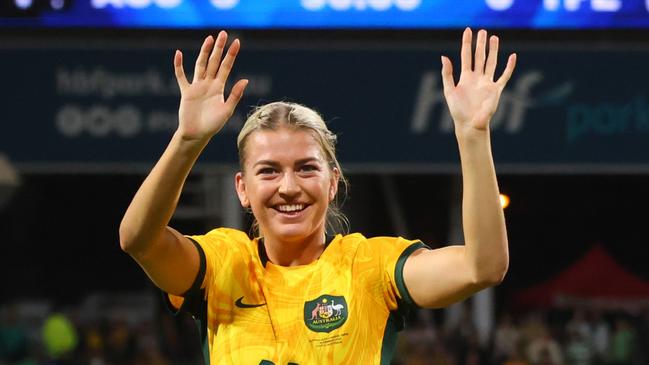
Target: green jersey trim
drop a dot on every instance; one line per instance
(398, 271)
(194, 303)
(389, 344)
(396, 320)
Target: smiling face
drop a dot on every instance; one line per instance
(287, 183)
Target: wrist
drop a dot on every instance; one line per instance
(187, 143)
(471, 135)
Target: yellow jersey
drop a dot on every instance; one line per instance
(343, 308)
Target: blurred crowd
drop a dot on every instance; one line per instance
(135, 330)
(569, 336)
(104, 330)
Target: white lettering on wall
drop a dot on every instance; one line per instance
(509, 117)
(98, 121)
(91, 102)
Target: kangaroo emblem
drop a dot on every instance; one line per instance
(314, 312)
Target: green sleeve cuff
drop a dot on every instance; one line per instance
(194, 297)
(398, 271)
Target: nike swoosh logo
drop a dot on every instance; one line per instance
(239, 303)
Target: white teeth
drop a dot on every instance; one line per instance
(290, 207)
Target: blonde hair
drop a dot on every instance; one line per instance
(270, 117)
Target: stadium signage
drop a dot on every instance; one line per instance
(105, 108)
(377, 5)
(331, 14)
(567, 5)
(135, 4)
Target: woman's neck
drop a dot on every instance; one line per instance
(294, 253)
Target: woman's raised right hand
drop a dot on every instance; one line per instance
(204, 110)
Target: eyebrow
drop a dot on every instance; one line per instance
(275, 163)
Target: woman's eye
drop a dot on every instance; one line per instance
(308, 168)
(266, 171)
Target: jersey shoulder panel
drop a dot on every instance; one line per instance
(390, 254)
(221, 242)
(224, 248)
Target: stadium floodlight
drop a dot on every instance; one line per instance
(504, 200)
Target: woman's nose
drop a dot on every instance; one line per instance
(288, 185)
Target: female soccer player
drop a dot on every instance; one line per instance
(292, 294)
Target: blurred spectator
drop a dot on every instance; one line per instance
(440, 354)
(178, 338)
(473, 354)
(419, 354)
(94, 344)
(517, 356)
(506, 339)
(579, 324)
(60, 339)
(14, 343)
(643, 338)
(533, 327)
(415, 343)
(148, 348)
(544, 349)
(578, 348)
(600, 337)
(545, 357)
(459, 338)
(622, 342)
(120, 344)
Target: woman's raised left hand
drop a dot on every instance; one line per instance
(473, 101)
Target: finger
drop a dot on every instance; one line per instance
(201, 60)
(480, 49)
(492, 58)
(235, 94)
(217, 52)
(507, 74)
(465, 53)
(228, 62)
(447, 75)
(179, 70)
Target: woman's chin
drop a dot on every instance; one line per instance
(291, 232)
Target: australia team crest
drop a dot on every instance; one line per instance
(325, 313)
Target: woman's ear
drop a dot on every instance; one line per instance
(333, 188)
(241, 190)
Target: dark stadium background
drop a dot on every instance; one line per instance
(59, 231)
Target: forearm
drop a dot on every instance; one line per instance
(482, 215)
(155, 201)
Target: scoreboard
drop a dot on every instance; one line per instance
(326, 14)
